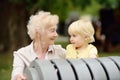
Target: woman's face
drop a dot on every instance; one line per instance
(49, 35)
(77, 40)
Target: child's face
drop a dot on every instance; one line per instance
(77, 40)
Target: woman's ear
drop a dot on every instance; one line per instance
(37, 33)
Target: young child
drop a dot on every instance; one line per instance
(81, 34)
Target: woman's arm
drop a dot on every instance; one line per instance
(18, 67)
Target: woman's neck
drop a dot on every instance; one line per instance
(40, 49)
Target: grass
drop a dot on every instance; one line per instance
(6, 61)
(5, 66)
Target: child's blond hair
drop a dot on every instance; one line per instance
(84, 28)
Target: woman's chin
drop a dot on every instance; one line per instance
(51, 43)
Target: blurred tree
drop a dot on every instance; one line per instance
(12, 22)
(109, 3)
(14, 16)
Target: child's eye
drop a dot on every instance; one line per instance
(73, 35)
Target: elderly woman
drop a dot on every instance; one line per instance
(42, 31)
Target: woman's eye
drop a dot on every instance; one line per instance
(52, 30)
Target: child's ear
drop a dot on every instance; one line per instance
(86, 37)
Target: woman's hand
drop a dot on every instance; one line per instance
(20, 77)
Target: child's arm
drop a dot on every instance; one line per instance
(93, 52)
(70, 52)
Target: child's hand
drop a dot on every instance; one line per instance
(93, 56)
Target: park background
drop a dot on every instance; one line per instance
(14, 15)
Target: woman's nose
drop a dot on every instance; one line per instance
(56, 34)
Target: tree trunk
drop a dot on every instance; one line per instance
(13, 26)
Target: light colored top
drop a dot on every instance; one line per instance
(24, 56)
(71, 52)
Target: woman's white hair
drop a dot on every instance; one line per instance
(40, 20)
(84, 28)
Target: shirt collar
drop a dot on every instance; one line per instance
(50, 51)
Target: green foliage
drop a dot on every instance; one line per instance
(63, 44)
(5, 66)
(81, 3)
(60, 7)
(108, 3)
(63, 7)
(92, 9)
